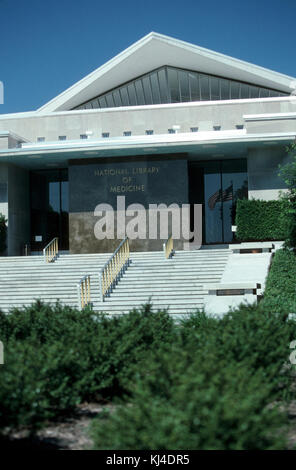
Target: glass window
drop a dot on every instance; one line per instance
(173, 85)
(149, 132)
(184, 86)
(62, 137)
(117, 98)
(105, 134)
(139, 92)
(254, 92)
(264, 93)
(194, 87)
(40, 139)
(204, 87)
(163, 87)
(225, 89)
(245, 91)
(110, 101)
(127, 133)
(95, 104)
(155, 88)
(132, 94)
(171, 131)
(103, 103)
(215, 88)
(124, 96)
(234, 90)
(147, 90)
(194, 129)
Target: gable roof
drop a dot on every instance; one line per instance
(156, 50)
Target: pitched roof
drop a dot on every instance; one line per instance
(156, 50)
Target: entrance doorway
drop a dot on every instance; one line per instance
(49, 208)
(217, 185)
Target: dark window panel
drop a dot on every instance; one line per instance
(245, 91)
(117, 98)
(110, 101)
(132, 94)
(102, 102)
(155, 88)
(139, 92)
(147, 90)
(124, 96)
(234, 90)
(225, 89)
(264, 93)
(254, 92)
(204, 87)
(184, 86)
(163, 86)
(194, 87)
(215, 88)
(174, 85)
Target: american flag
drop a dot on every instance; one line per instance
(221, 196)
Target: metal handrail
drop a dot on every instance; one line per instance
(51, 250)
(114, 269)
(168, 248)
(83, 292)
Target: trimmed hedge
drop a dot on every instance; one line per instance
(280, 290)
(258, 220)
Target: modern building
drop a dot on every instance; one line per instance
(164, 121)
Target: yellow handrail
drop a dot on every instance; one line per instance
(51, 250)
(168, 247)
(114, 269)
(83, 291)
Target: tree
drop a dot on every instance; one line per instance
(288, 174)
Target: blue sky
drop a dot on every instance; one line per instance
(46, 46)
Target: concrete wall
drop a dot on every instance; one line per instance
(159, 118)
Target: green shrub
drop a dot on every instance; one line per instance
(261, 220)
(280, 290)
(204, 403)
(70, 356)
(210, 389)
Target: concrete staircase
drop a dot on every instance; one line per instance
(176, 284)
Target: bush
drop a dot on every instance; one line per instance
(208, 404)
(56, 357)
(211, 389)
(261, 220)
(280, 291)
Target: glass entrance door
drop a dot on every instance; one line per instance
(223, 183)
(49, 208)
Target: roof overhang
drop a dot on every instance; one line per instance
(212, 144)
(156, 50)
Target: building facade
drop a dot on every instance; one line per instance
(164, 122)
